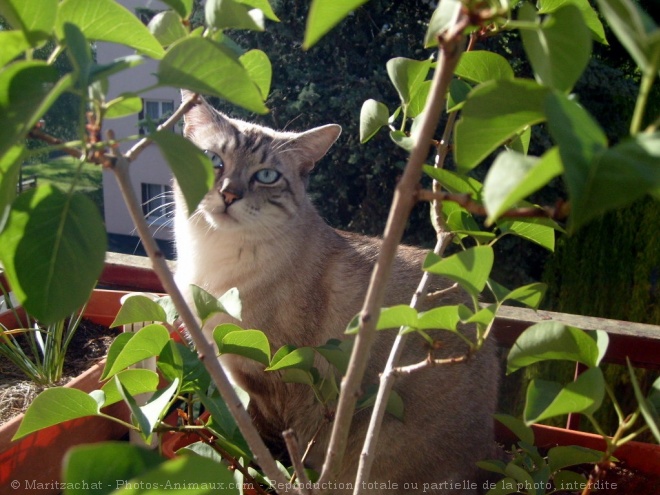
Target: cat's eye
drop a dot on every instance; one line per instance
(217, 162)
(267, 175)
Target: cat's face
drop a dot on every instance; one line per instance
(260, 173)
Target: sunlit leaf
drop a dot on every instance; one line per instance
(301, 358)
(480, 66)
(470, 268)
(324, 15)
(444, 16)
(549, 399)
(106, 20)
(258, 66)
(588, 13)
(407, 75)
(373, 116)
(222, 14)
(559, 49)
(191, 167)
(550, 340)
(145, 343)
(136, 381)
(252, 344)
(167, 27)
(35, 19)
(54, 406)
(490, 117)
(47, 233)
(138, 308)
(186, 66)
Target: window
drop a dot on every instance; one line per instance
(153, 113)
(157, 203)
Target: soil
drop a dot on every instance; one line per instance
(88, 346)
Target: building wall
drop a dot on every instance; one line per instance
(150, 167)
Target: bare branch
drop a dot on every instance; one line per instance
(205, 351)
(135, 151)
(442, 293)
(559, 212)
(406, 370)
(294, 454)
(404, 200)
(53, 141)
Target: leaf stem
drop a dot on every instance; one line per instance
(648, 77)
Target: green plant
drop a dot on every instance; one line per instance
(38, 351)
(529, 471)
(497, 109)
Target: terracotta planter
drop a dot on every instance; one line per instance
(33, 464)
(641, 457)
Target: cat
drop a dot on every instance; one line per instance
(301, 282)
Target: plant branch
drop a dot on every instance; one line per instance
(402, 204)
(262, 455)
(558, 212)
(186, 105)
(294, 454)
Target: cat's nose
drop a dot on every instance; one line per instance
(229, 197)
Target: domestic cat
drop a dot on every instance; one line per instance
(301, 282)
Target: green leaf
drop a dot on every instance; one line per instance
(262, 5)
(458, 93)
(646, 406)
(444, 317)
(54, 406)
(588, 14)
(195, 474)
(295, 375)
(79, 53)
(220, 331)
(106, 20)
(549, 399)
(105, 463)
(530, 295)
(571, 455)
(616, 177)
(191, 167)
(504, 487)
(207, 305)
(454, 182)
(47, 233)
(186, 66)
(470, 268)
(10, 170)
(139, 308)
(182, 7)
(444, 16)
(514, 176)
(418, 99)
(123, 105)
(402, 140)
(252, 344)
(337, 353)
(147, 417)
(145, 343)
(300, 358)
(397, 316)
(167, 27)
(480, 66)
(519, 474)
(179, 362)
(27, 90)
(634, 29)
(258, 66)
(559, 49)
(373, 116)
(540, 231)
(491, 117)
(35, 19)
(407, 75)
(566, 480)
(395, 405)
(13, 43)
(223, 14)
(136, 381)
(324, 15)
(549, 340)
(517, 427)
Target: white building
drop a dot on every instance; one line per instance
(150, 174)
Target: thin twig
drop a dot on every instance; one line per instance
(404, 199)
(559, 212)
(53, 141)
(294, 454)
(411, 368)
(441, 293)
(135, 151)
(262, 455)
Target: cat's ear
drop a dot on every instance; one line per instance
(200, 116)
(315, 143)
